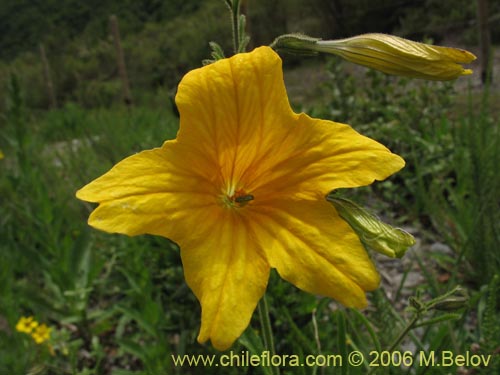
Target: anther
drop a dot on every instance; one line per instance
(244, 199)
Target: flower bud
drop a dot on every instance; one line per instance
(390, 54)
(297, 44)
(455, 299)
(452, 304)
(372, 232)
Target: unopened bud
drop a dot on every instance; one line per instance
(452, 304)
(372, 232)
(389, 54)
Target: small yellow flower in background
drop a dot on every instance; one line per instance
(1, 155)
(242, 190)
(41, 334)
(388, 53)
(26, 325)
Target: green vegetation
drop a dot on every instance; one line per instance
(119, 305)
(115, 302)
(164, 39)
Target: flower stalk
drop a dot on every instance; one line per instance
(240, 39)
(267, 331)
(234, 9)
(453, 300)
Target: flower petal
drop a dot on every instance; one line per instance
(152, 192)
(228, 274)
(236, 111)
(157, 192)
(314, 249)
(320, 156)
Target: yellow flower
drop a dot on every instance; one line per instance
(1, 155)
(242, 190)
(26, 325)
(387, 53)
(41, 334)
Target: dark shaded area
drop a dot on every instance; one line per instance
(25, 23)
(162, 40)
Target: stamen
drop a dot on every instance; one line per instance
(237, 199)
(244, 199)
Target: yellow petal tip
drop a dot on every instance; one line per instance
(468, 57)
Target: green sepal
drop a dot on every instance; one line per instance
(452, 304)
(297, 44)
(373, 233)
(455, 299)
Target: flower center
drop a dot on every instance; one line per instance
(237, 199)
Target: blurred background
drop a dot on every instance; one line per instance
(162, 40)
(85, 84)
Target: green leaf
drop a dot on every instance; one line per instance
(139, 318)
(217, 51)
(253, 342)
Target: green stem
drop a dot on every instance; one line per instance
(401, 336)
(234, 8)
(404, 332)
(267, 332)
(235, 19)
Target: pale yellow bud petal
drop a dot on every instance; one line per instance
(388, 53)
(394, 55)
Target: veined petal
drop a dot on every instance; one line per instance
(319, 156)
(235, 111)
(228, 274)
(387, 53)
(242, 189)
(157, 192)
(314, 249)
(394, 55)
(153, 192)
(260, 144)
